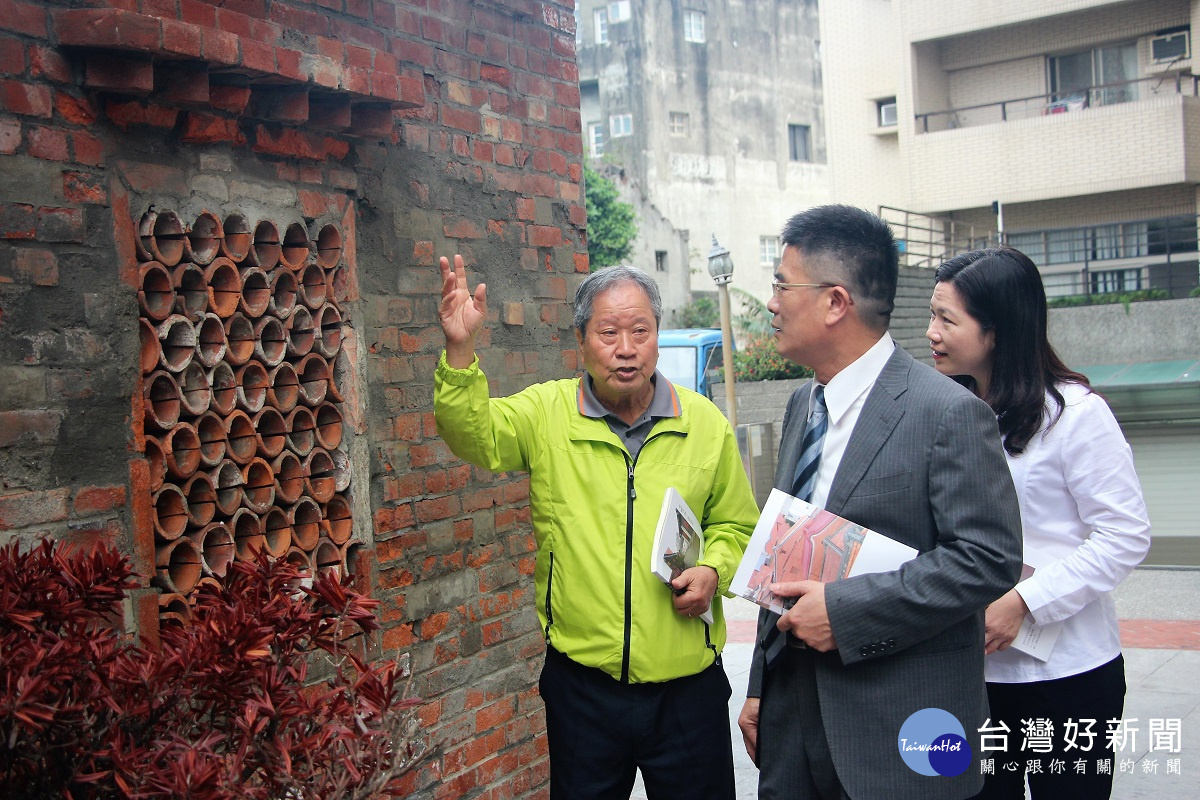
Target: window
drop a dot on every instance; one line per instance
(693, 26)
(620, 125)
(799, 143)
(886, 109)
(1116, 280)
(601, 23)
(678, 124)
(660, 260)
(619, 11)
(768, 251)
(596, 139)
(1075, 76)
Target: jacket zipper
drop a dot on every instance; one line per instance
(631, 496)
(549, 591)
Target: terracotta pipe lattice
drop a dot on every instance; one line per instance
(239, 333)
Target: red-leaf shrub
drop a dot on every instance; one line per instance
(225, 708)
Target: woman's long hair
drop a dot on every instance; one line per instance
(1003, 292)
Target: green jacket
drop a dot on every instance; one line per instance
(597, 600)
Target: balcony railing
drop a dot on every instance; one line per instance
(1059, 102)
(927, 241)
(1118, 257)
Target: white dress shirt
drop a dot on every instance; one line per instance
(845, 395)
(1082, 509)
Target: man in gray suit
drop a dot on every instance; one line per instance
(889, 443)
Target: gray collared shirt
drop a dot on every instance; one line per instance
(662, 405)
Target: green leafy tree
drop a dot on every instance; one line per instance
(754, 321)
(611, 227)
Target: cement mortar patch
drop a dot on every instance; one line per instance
(22, 388)
(31, 181)
(211, 187)
(273, 197)
(216, 162)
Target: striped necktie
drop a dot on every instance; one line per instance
(803, 481)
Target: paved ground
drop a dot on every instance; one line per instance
(1160, 631)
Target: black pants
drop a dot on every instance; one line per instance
(601, 731)
(1097, 694)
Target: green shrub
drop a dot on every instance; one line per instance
(1108, 298)
(759, 361)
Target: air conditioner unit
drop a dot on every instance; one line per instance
(1170, 47)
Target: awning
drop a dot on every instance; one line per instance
(1149, 391)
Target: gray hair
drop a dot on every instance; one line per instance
(607, 278)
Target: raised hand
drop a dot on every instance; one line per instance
(461, 313)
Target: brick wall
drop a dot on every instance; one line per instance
(417, 129)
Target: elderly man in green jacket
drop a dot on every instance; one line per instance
(633, 676)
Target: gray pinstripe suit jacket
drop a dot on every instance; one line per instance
(924, 465)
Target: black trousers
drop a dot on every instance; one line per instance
(601, 731)
(1097, 694)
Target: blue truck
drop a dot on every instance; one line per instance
(691, 357)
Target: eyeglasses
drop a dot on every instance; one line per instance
(779, 287)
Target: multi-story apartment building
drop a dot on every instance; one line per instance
(1072, 128)
(709, 115)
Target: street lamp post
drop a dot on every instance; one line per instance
(720, 267)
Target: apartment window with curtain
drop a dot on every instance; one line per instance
(768, 251)
(1116, 280)
(1074, 77)
(800, 143)
(693, 26)
(620, 125)
(678, 123)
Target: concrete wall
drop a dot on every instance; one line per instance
(418, 130)
(1162, 330)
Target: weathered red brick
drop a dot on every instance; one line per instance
(155, 178)
(25, 99)
(25, 509)
(84, 187)
(127, 114)
(97, 499)
(76, 110)
(198, 12)
(258, 56)
(17, 221)
(39, 267)
(182, 38)
(544, 236)
(127, 75)
(461, 228)
(220, 47)
(185, 84)
(48, 143)
(28, 18)
(201, 128)
(10, 136)
(36, 426)
(229, 98)
(108, 27)
(60, 225)
(293, 143)
(88, 149)
(12, 56)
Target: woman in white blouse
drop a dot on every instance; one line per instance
(1085, 529)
